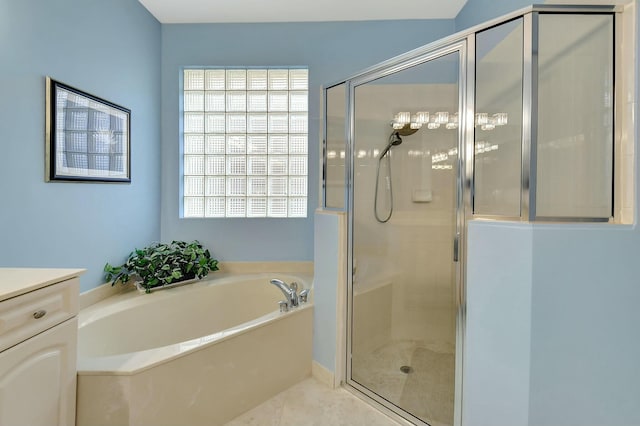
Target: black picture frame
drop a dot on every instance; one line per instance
(87, 138)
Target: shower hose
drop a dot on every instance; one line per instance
(375, 198)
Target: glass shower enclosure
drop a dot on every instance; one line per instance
(493, 124)
(405, 211)
(406, 141)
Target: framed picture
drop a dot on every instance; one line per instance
(88, 138)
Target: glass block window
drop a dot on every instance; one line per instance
(245, 134)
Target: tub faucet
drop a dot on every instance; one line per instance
(290, 291)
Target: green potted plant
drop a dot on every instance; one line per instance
(159, 265)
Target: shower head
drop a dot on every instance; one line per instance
(394, 139)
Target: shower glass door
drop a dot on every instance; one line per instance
(405, 210)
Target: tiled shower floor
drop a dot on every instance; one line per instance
(427, 391)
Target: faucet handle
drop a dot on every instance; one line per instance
(284, 306)
(294, 286)
(304, 295)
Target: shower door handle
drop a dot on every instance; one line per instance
(456, 246)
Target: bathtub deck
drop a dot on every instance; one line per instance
(310, 403)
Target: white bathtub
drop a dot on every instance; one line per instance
(200, 354)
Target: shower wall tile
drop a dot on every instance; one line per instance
(628, 116)
(627, 182)
(626, 170)
(372, 318)
(627, 215)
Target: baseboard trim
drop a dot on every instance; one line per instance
(323, 374)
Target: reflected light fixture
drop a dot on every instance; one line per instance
(486, 122)
(415, 121)
(450, 121)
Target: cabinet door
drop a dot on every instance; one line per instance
(38, 379)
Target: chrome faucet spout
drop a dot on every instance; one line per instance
(281, 285)
(289, 291)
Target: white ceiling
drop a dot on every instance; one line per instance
(215, 11)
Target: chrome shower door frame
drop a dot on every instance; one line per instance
(464, 47)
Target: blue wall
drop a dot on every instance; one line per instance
(585, 350)
(332, 51)
(327, 261)
(477, 12)
(497, 343)
(112, 50)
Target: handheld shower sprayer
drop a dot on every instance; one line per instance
(394, 140)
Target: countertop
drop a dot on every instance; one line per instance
(17, 281)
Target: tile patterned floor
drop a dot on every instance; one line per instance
(311, 403)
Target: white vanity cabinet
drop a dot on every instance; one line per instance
(38, 340)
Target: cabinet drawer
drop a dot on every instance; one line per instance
(24, 316)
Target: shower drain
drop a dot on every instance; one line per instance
(406, 369)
